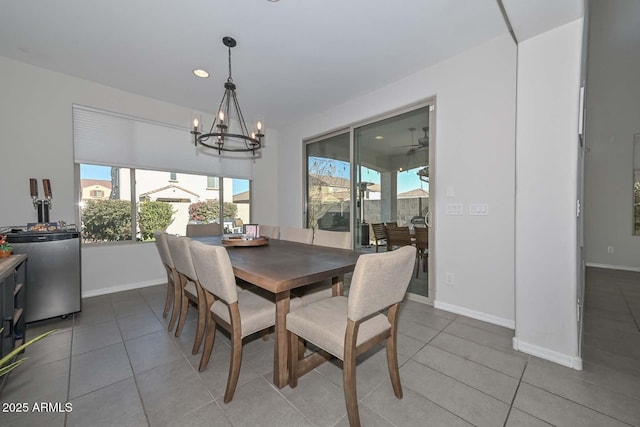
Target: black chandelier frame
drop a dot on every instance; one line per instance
(218, 133)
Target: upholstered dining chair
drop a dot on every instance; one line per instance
(204, 230)
(240, 313)
(300, 235)
(346, 327)
(397, 236)
(270, 231)
(332, 239)
(378, 234)
(173, 286)
(189, 286)
(422, 244)
(321, 290)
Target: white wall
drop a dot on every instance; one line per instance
(36, 141)
(475, 153)
(546, 169)
(613, 112)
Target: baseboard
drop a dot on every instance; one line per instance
(125, 287)
(418, 298)
(478, 315)
(612, 267)
(574, 362)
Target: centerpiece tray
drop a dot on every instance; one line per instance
(239, 241)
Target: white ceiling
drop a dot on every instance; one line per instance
(294, 58)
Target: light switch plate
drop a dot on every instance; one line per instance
(478, 209)
(455, 209)
(451, 191)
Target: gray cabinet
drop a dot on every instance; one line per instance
(13, 279)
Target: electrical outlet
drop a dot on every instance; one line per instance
(610, 249)
(449, 278)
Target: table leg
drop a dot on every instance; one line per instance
(280, 377)
(337, 286)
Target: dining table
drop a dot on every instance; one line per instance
(281, 266)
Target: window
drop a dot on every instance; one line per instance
(136, 202)
(213, 182)
(128, 159)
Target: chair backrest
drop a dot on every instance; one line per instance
(203, 230)
(398, 236)
(333, 239)
(300, 235)
(391, 223)
(181, 255)
(422, 237)
(379, 281)
(270, 231)
(214, 269)
(163, 248)
(378, 231)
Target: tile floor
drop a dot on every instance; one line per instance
(117, 366)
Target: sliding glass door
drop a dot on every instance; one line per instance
(391, 167)
(371, 173)
(329, 183)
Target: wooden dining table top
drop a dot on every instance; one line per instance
(283, 265)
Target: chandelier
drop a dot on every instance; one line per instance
(229, 131)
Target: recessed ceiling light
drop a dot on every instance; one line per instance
(379, 137)
(274, 1)
(201, 73)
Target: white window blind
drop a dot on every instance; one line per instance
(105, 138)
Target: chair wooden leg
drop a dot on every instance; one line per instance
(417, 264)
(209, 340)
(236, 353)
(302, 348)
(184, 305)
(202, 319)
(425, 258)
(294, 345)
(265, 334)
(392, 362)
(170, 295)
(177, 301)
(392, 353)
(349, 374)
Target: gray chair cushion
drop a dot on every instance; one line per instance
(256, 312)
(324, 323)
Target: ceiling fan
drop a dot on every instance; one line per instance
(423, 143)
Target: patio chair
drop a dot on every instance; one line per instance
(379, 235)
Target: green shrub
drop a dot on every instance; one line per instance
(106, 220)
(209, 211)
(154, 216)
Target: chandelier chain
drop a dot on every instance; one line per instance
(229, 79)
